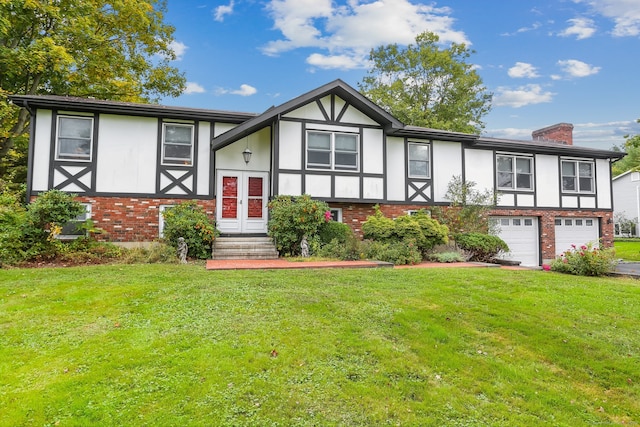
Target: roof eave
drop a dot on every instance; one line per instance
(132, 109)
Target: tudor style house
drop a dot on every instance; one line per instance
(128, 162)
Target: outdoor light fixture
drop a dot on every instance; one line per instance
(246, 155)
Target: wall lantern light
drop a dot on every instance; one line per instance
(246, 155)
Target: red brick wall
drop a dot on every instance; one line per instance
(355, 215)
(135, 219)
(132, 219)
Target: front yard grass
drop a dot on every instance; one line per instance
(177, 345)
(627, 249)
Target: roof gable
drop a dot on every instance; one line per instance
(316, 102)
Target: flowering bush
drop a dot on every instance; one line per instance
(585, 261)
(189, 220)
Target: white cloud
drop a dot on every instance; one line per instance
(222, 10)
(523, 95)
(520, 30)
(575, 68)
(344, 62)
(245, 90)
(624, 13)
(523, 69)
(178, 49)
(348, 32)
(192, 87)
(582, 28)
(594, 135)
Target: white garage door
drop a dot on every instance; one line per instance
(521, 235)
(576, 231)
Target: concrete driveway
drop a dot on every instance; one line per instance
(628, 268)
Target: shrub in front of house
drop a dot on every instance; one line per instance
(293, 217)
(424, 231)
(333, 230)
(189, 220)
(585, 261)
(397, 253)
(29, 233)
(482, 247)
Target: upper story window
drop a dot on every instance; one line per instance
(177, 144)
(419, 160)
(332, 150)
(514, 172)
(577, 177)
(74, 138)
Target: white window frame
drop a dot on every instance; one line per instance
(73, 157)
(175, 161)
(161, 209)
(338, 214)
(79, 219)
(514, 172)
(577, 177)
(428, 161)
(332, 152)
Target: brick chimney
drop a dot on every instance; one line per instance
(561, 133)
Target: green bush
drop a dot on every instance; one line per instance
(30, 233)
(13, 219)
(423, 231)
(398, 253)
(348, 250)
(333, 230)
(585, 261)
(189, 220)
(446, 257)
(293, 217)
(483, 247)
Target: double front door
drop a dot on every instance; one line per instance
(241, 202)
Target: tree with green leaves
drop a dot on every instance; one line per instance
(632, 160)
(424, 85)
(106, 49)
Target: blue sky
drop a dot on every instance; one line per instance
(546, 62)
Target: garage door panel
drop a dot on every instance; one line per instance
(521, 235)
(576, 231)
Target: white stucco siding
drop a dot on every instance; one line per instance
(289, 184)
(353, 115)
(373, 188)
(230, 157)
(479, 168)
(603, 186)
(41, 151)
(372, 151)
(290, 149)
(204, 158)
(347, 187)
(547, 181)
(396, 169)
(447, 163)
(310, 111)
(220, 128)
(318, 185)
(127, 154)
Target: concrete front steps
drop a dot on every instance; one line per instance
(244, 248)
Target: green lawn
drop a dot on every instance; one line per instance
(176, 345)
(627, 249)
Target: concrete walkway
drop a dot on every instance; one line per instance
(278, 264)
